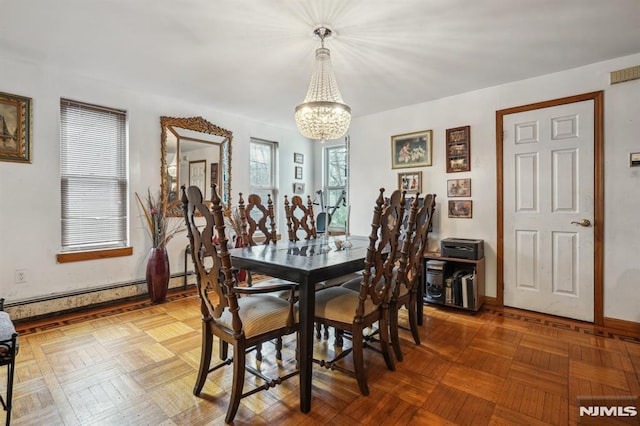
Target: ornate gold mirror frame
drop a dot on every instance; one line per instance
(211, 146)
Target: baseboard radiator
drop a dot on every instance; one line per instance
(64, 303)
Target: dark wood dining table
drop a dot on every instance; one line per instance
(306, 263)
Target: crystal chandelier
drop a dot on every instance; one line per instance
(323, 115)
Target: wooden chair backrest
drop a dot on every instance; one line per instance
(299, 217)
(416, 242)
(217, 278)
(250, 225)
(378, 273)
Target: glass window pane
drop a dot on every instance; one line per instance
(337, 208)
(262, 170)
(336, 166)
(335, 183)
(260, 165)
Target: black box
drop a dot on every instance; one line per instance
(462, 248)
(434, 291)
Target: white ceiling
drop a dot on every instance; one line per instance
(254, 58)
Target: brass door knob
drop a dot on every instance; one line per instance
(583, 222)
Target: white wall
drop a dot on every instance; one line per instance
(30, 193)
(371, 167)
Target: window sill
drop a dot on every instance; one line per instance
(79, 256)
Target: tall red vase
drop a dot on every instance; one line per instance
(242, 274)
(158, 274)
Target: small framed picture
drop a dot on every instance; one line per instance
(410, 182)
(458, 149)
(411, 149)
(459, 188)
(298, 172)
(298, 188)
(298, 158)
(461, 209)
(15, 128)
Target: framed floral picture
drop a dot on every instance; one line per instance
(411, 149)
(15, 128)
(410, 182)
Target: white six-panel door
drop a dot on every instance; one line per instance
(548, 187)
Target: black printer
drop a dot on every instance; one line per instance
(462, 248)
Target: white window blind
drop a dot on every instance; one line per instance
(93, 161)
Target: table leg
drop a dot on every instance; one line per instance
(307, 313)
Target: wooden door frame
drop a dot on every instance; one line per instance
(598, 222)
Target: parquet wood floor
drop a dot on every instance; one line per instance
(135, 364)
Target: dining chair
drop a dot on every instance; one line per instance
(256, 217)
(8, 350)
(242, 322)
(353, 312)
(300, 217)
(404, 292)
(253, 217)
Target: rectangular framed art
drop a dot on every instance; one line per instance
(461, 209)
(298, 172)
(298, 158)
(458, 149)
(410, 182)
(459, 187)
(411, 149)
(15, 128)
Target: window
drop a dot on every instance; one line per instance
(93, 163)
(335, 182)
(262, 169)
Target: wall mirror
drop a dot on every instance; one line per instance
(194, 152)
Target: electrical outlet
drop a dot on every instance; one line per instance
(21, 276)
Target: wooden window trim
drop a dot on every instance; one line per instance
(79, 256)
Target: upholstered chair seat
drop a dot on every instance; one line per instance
(259, 313)
(338, 304)
(342, 280)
